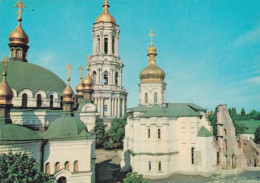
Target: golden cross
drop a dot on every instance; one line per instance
(5, 61)
(81, 70)
(88, 58)
(68, 68)
(152, 35)
(20, 6)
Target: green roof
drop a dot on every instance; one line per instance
(21, 75)
(250, 125)
(171, 110)
(204, 132)
(66, 127)
(13, 134)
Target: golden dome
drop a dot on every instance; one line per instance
(105, 16)
(6, 93)
(79, 89)
(152, 73)
(67, 93)
(87, 81)
(18, 35)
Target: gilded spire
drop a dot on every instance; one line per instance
(6, 93)
(68, 93)
(20, 6)
(152, 73)
(18, 35)
(105, 16)
(87, 81)
(79, 87)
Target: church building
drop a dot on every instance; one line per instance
(106, 67)
(163, 138)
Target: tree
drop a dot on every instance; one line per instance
(115, 135)
(134, 178)
(243, 112)
(213, 121)
(99, 132)
(20, 168)
(257, 135)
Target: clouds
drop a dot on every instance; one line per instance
(250, 37)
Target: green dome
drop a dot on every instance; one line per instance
(24, 75)
(14, 134)
(66, 127)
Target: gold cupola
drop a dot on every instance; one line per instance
(6, 93)
(105, 16)
(152, 73)
(68, 93)
(87, 81)
(18, 35)
(79, 88)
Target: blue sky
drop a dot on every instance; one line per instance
(209, 49)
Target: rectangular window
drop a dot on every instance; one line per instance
(159, 133)
(149, 165)
(159, 166)
(192, 155)
(148, 133)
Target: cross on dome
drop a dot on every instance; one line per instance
(152, 35)
(20, 6)
(5, 61)
(88, 58)
(68, 73)
(80, 71)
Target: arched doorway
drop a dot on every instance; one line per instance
(62, 180)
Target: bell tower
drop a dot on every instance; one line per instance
(106, 67)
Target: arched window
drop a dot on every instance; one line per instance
(113, 44)
(225, 132)
(159, 133)
(106, 78)
(155, 97)
(19, 53)
(51, 101)
(146, 98)
(94, 75)
(61, 102)
(225, 145)
(67, 165)
(62, 180)
(57, 166)
(159, 166)
(47, 168)
(116, 81)
(98, 44)
(12, 53)
(24, 100)
(192, 155)
(149, 165)
(39, 100)
(106, 45)
(76, 166)
(148, 133)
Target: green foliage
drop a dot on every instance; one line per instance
(134, 178)
(20, 168)
(254, 115)
(257, 135)
(115, 135)
(243, 112)
(213, 121)
(99, 132)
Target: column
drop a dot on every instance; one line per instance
(116, 45)
(114, 107)
(100, 112)
(120, 79)
(94, 45)
(123, 108)
(110, 44)
(110, 107)
(102, 107)
(118, 107)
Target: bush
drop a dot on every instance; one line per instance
(134, 178)
(99, 130)
(257, 135)
(20, 168)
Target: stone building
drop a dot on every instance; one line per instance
(165, 138)
(106, 67)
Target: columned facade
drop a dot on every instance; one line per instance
(106, 68)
